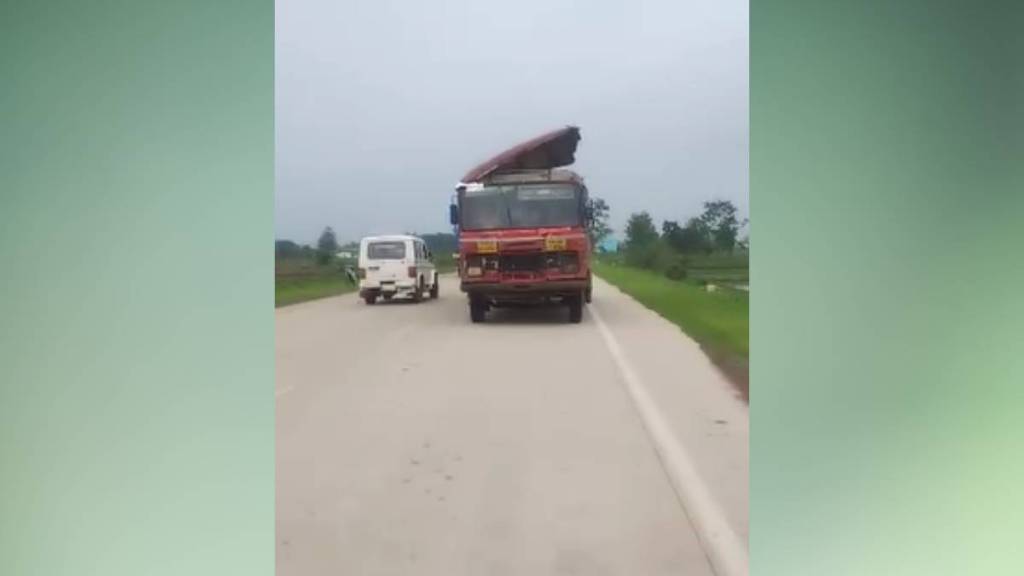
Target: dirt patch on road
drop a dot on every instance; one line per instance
(736, 369)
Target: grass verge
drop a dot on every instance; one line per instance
(301, 279)
(300, 289)
(719, 321)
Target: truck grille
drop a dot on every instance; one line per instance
(521, 262)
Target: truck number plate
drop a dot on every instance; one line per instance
(554, 244)
(487, 246)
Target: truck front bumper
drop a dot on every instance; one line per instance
(525, 290)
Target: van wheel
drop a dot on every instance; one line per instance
(435, 289)
(477, 310)
(576, 308)
(370, 300)
(417, 294)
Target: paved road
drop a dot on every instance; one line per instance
(410, 441)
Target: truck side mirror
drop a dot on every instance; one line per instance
(588, 214)
(453, 214)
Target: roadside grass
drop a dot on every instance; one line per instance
(301, 279)
(728, 269)
(444, 263)
(720, 269)
(294, 290)
(719, 321)
(719, 318)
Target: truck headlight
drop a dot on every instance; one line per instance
(570, 263)
(474, 266)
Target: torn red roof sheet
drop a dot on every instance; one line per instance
(547, 151)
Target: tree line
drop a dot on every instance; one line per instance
(715, 231)
(327, 246)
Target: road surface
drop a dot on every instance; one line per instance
(410, 441)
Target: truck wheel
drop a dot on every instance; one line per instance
(477, 310)
(370, 299)
(576, 308)
(435, 289)
(587, 295)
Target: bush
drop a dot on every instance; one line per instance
(676, 271)
(655, 255)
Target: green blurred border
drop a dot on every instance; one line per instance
(136, 214)
(887, 352)
(136, 414)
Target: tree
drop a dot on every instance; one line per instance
(719, 218)
(286, 249)
(692, 238)
(441, 242)
(326, 246)
(597, 226)
(643, 247)
(640, 230)
(696, 237)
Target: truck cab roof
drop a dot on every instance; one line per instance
(532, 176)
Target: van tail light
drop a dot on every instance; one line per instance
(362, 272)
(412, 271)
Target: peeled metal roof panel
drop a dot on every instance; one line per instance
(545, 152)
(524, 176)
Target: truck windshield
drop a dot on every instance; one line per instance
(385, 250)
(531, 206)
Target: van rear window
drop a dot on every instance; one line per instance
(385, 250)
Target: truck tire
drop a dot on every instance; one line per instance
(576, 308)
(435, 290)
(587, 295)
(477, 310)
(371, 299)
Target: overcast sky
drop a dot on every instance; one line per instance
(382, 105)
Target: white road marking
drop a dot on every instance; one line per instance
(725, 550)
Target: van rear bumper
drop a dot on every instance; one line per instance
(385, 288)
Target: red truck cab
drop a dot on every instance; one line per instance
(522, 228)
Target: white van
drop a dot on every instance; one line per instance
(392, 266)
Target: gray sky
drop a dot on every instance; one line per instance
(381, 106)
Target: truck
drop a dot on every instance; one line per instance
(521, 219)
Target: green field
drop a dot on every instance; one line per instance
(294, 290)
(444, 262)
(718, 320)
(718, 268)
(301, 279)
